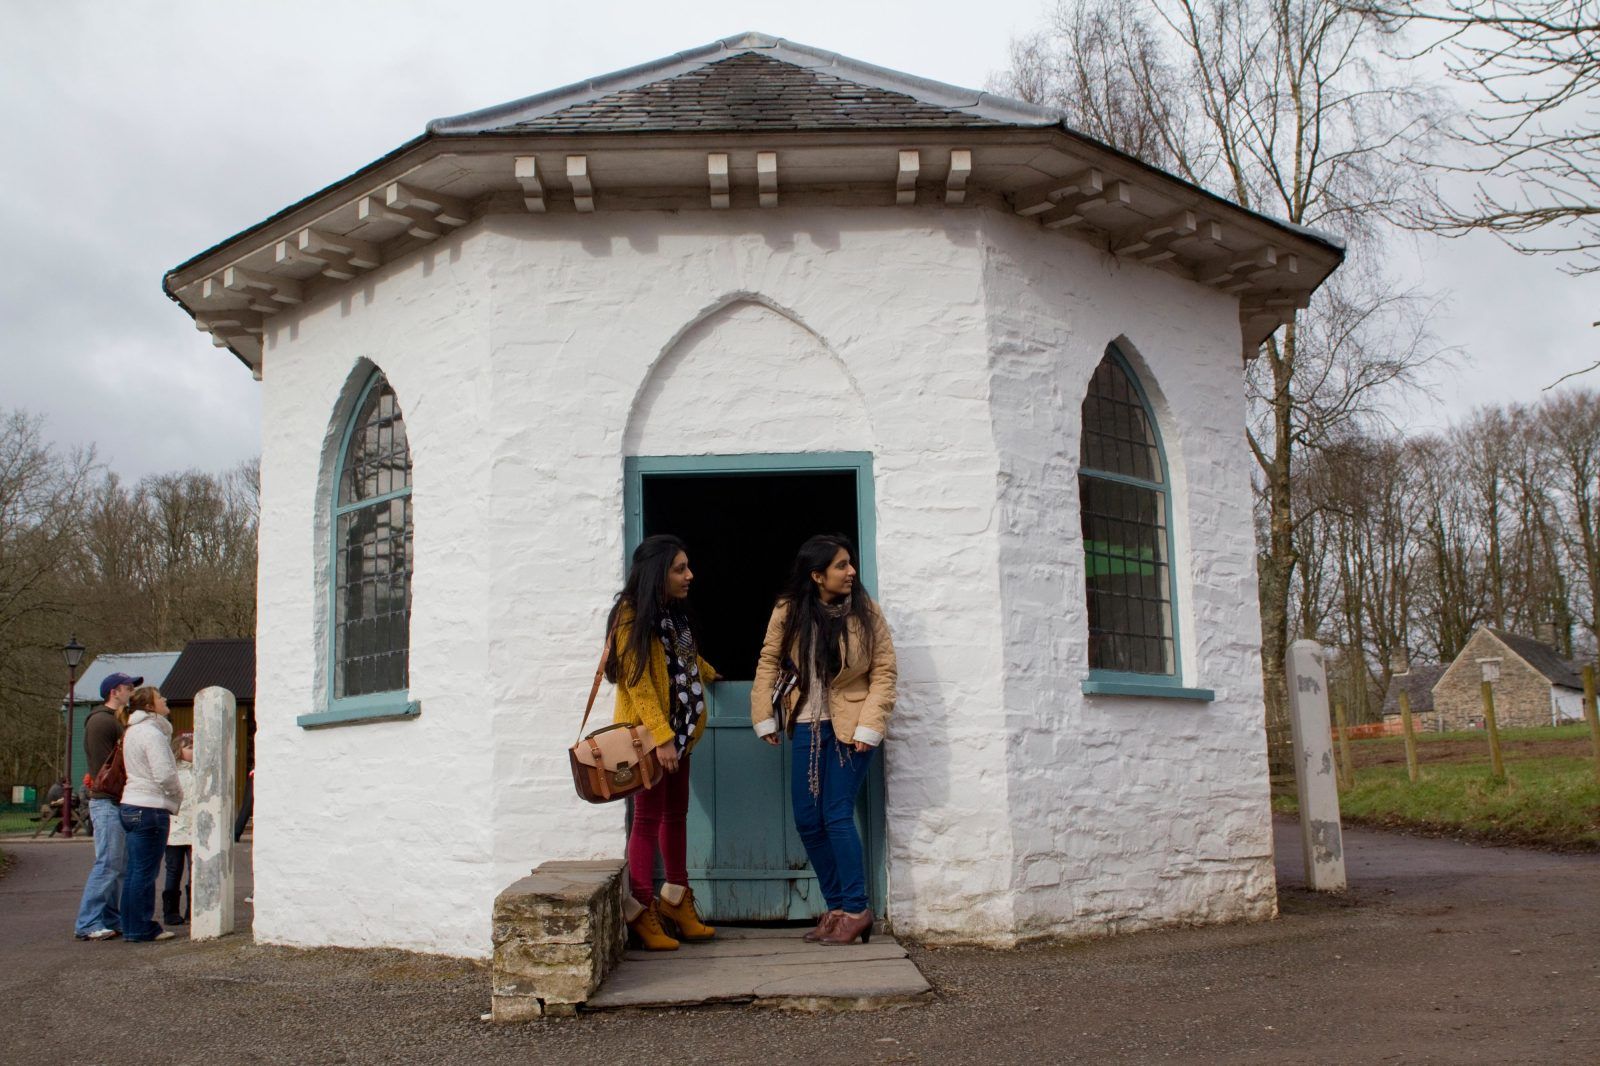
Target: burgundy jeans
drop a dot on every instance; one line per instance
(660, 819)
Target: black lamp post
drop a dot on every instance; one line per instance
(72, 652)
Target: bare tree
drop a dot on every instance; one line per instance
(1109, 70)
(1361, 493)
(1277, 105)
(1482, 445)
(173, 558)
(1531, 148)
(126, 569)
(1538, 588)
(1569, 425)
(1450, 588)
(41, 491)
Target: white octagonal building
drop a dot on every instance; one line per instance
(745, 294)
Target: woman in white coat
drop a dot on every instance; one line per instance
(149, 800)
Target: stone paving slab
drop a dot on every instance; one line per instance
(767, 968)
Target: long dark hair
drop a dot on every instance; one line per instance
(807, 620)
(646, 592)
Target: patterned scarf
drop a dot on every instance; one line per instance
(687, 700)
(829, 661)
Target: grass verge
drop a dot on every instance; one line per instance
(17, 822)
(1549, 802)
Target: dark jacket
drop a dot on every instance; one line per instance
(100, 735)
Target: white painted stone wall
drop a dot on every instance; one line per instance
(1566, 705)
(378, 835)
(1125, 813)
(734, 333)
(531, 354)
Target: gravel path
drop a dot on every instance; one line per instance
(1445, 952)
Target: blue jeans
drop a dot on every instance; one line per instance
(102, 893)
(827, 822)
(147, 842)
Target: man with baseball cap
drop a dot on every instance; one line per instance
(98, 915)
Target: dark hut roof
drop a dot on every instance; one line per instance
(1542, 657)
(1418, 687)
(228, 662)
(748, 92)
(750, 82)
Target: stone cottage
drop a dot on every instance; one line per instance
(742, 294)
(1533, 684)
(1416, 680)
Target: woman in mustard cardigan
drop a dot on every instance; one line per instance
(829, 656)
(661, 683)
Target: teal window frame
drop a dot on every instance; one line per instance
(1127, 683)
(394, 705)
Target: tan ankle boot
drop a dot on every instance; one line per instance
(682, 916)
(647, 927)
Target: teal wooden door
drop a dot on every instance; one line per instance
(745, 859)
(746, 862)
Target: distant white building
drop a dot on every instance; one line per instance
(745, 294)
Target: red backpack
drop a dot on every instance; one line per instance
(113, 776)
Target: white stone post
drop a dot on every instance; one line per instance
(214, 761)
(1315, 778)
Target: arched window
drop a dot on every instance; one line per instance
(370, 646)
(1124, 495)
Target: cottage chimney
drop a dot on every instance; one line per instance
(1400, 661)
(1545, 633)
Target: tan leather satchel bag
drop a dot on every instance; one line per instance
(614, 762)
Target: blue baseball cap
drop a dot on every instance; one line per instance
(111, 681)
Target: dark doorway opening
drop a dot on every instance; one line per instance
(742, 531)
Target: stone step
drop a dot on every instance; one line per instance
(766, 968)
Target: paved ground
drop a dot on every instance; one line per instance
(1444, 952)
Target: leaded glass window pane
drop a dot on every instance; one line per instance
(372, 561)
(1118, 437)
(378, 459)
(1125, 537)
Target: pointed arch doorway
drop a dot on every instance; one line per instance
(740, 517)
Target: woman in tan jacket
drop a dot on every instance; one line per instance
(829, 658)
(661, 683)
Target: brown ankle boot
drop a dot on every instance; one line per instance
(683, 919)
(647, 927)
(847, 928)
(825, 926)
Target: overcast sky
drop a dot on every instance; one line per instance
(142, 133)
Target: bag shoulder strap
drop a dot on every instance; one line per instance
(599, 672)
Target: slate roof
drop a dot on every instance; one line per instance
(153, 666)
(748, 92)
(750, 82)
(230, 663)
(1542, 657)
(1418, 687)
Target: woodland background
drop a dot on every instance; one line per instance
(125, 568)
